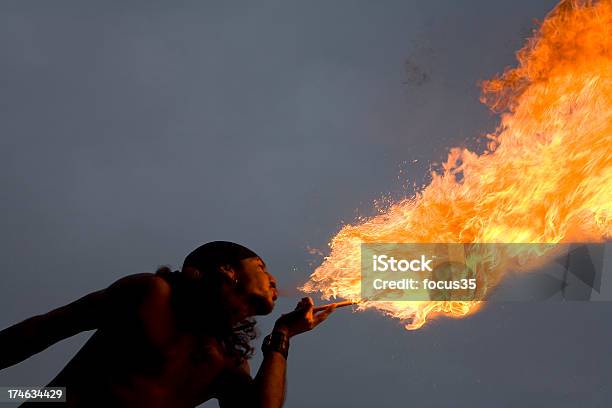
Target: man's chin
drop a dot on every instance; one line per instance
(263, 306)
(267, 309)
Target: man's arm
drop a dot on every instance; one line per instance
(267, 389)
(139, 298)
(35, 334)
(270, 381)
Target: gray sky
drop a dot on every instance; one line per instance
(132, 132)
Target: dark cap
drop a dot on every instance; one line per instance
(216, 253)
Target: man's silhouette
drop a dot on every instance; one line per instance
(171, 339)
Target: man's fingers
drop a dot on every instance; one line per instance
(324, 314)
(343, 303)
(305, 304)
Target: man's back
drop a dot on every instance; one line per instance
(138, 357)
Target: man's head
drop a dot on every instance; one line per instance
(240, 273)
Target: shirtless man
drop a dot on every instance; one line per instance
(171, 339)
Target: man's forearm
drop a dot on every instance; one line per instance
(22, 340)
(35, 334)
(270, 381)
(271, 377)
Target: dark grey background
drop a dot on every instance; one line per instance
(131, 132)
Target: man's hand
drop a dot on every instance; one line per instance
(303, 318)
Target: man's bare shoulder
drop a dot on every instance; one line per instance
(141, 303)
(140, 286)
(138, 296)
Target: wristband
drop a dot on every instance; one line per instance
(276, 341)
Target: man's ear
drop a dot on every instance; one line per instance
(228, 272)
(192, 273)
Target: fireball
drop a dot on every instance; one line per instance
(545, 176)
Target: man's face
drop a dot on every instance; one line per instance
(258, 284)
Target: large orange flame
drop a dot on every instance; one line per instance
(546, 176)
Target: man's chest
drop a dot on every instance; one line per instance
(184, 371)
(191, 366)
